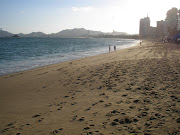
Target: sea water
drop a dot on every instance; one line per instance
(19, 54)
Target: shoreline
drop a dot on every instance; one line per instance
(129, 91)
(18, 72)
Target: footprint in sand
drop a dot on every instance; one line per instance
(126, 120)
(37, 115)
(112, 113)
(56, 131)
(108, 105)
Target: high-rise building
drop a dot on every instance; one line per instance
(152, 32)
(144, 27)
(147, 31)
(178, 28)
(161, 29)
(172, 21)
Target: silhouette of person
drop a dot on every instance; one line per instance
(114, 48)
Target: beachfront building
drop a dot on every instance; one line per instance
(144, 28)
(169, 27)
(161, 29)
(172, 21)
(152, 32)
(147, 31)
(178, 28)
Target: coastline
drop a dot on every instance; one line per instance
(120, 48)
(133, 90)
(34, 59)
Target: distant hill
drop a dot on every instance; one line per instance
(75, 33)
(68, 33)
(5, 34)
(33, 34)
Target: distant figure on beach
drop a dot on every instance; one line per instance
(140, 43)
(114, 48)
(109, 48)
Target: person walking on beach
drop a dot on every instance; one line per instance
(109, 48)
(141, 42)
(114, 48)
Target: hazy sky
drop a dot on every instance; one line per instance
(51, 16)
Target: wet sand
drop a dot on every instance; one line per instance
(130, 91)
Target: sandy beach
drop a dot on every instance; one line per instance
(130, 91)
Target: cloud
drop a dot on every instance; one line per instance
(82, 9)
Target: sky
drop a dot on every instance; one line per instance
(52, 16)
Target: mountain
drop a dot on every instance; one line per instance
(5, 34)
(68, 33)
(33, 34)
(75, 33)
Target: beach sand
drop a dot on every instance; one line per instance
(130, 91)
